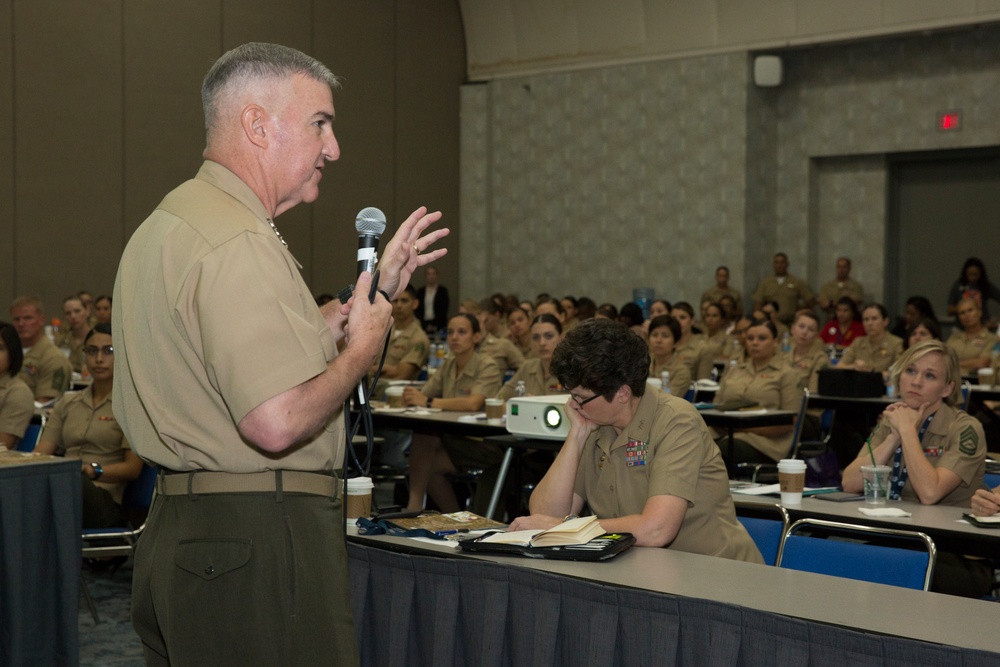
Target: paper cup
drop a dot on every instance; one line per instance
(655, 382)
(394, 396)
(359, 497)
(494, 410)
(986, 377)
(876, 480)
(791, 479)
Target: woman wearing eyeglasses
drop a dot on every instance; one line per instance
(83, 426)
(17, 403)
(643, 461)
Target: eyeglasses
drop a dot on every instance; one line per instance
(93, 350)
(583, 401)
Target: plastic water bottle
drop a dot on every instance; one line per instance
(521, 388)
(665, 381)
(786, 342)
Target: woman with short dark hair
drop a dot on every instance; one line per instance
(17, 403)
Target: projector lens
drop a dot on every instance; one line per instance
(552, 417)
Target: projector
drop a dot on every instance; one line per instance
(538, 417)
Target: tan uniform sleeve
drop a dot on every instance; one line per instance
(16, 407)
(488, 379)
(966, 448)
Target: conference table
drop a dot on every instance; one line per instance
(420, 603)
(40, 551)
(944, 524)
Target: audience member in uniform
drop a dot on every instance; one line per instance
(547, 304)
(841, 286)
(878, 349)
(642, 461)
(83, 426)
(607, 311)
(771, 310)
(731, 310)
(973, 283)
(937, 452)
(917, 307)
(631, 315)
(722, 289)
(433, 298)
(519, 330)
(76, 329)
(408, 345)
(585, 308)
(501, 350)
(972, 342)
(845, 327)
(690, 347)
(546, 332)
(569, 305)
(529, 308)
(462, 383)
(102, 309)
(664, 332)
(45, 370)
(807, 357)
(766, 380)
(16, 401)
(790, 292)
(925, 328)
(717, 342)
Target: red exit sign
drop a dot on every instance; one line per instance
(949, 120)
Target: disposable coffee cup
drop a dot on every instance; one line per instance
(986, 377)
(655, 382)
(494, 410)
(394, 396)
(791, 479)
(359, 497)
(876, 480)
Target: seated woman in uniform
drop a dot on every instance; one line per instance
(462, 383)
(917, 307)
(937, 451)
(973, 343)
(546, 332)
(631, 315)
(519, 330)
(769, 310)
(768, 381)
(664, 331)
(690, 347)
(17, 403)
(807, 356)
(500, 349)
(717, 342)
(656, 308)
(925, 328)
(77, 327)
(878, 349)
(845, 327)
(642, 461)
(83, 426)
(973, 283)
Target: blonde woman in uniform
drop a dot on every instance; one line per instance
(77, 327)
(807, 356)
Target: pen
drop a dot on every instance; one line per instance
(442, 533)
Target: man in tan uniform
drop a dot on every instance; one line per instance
(789, 292)
(722, 289)
(230, 380)
(45, 370)
(642, 460)
(842, 285)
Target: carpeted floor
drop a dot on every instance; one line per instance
(112, 642)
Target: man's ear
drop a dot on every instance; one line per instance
(254, 122)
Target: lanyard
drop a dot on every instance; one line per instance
(899, 474)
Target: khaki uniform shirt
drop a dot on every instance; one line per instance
(536, 383)
(808, 366)
(834, 290)
(879, 357)
(46, 370)
(64, 339)
(480, 376)
(90, 434)
(980, 345)
(211, 319)
(408, 345)
(775, 387)
(691, 353)
(954, 441)
(680, 375)
(715, 294)
(665, 450)
(790, 293)
(503, 352)
(17, 405)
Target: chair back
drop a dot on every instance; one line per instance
(992, 480)
(902, 558)
(138, 493)
(766, 525)
(32, 434)
(799, 421)
(966, 392)
(692, 393)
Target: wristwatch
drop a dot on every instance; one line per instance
(570, 517)
(98, 470)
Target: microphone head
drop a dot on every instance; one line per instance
(370, 221)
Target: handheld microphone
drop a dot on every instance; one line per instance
(370, 225)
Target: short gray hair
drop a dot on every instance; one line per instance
(255, 61)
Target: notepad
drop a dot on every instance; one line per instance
(575, 531)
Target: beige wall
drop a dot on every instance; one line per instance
(100, 116)
(649, 175)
